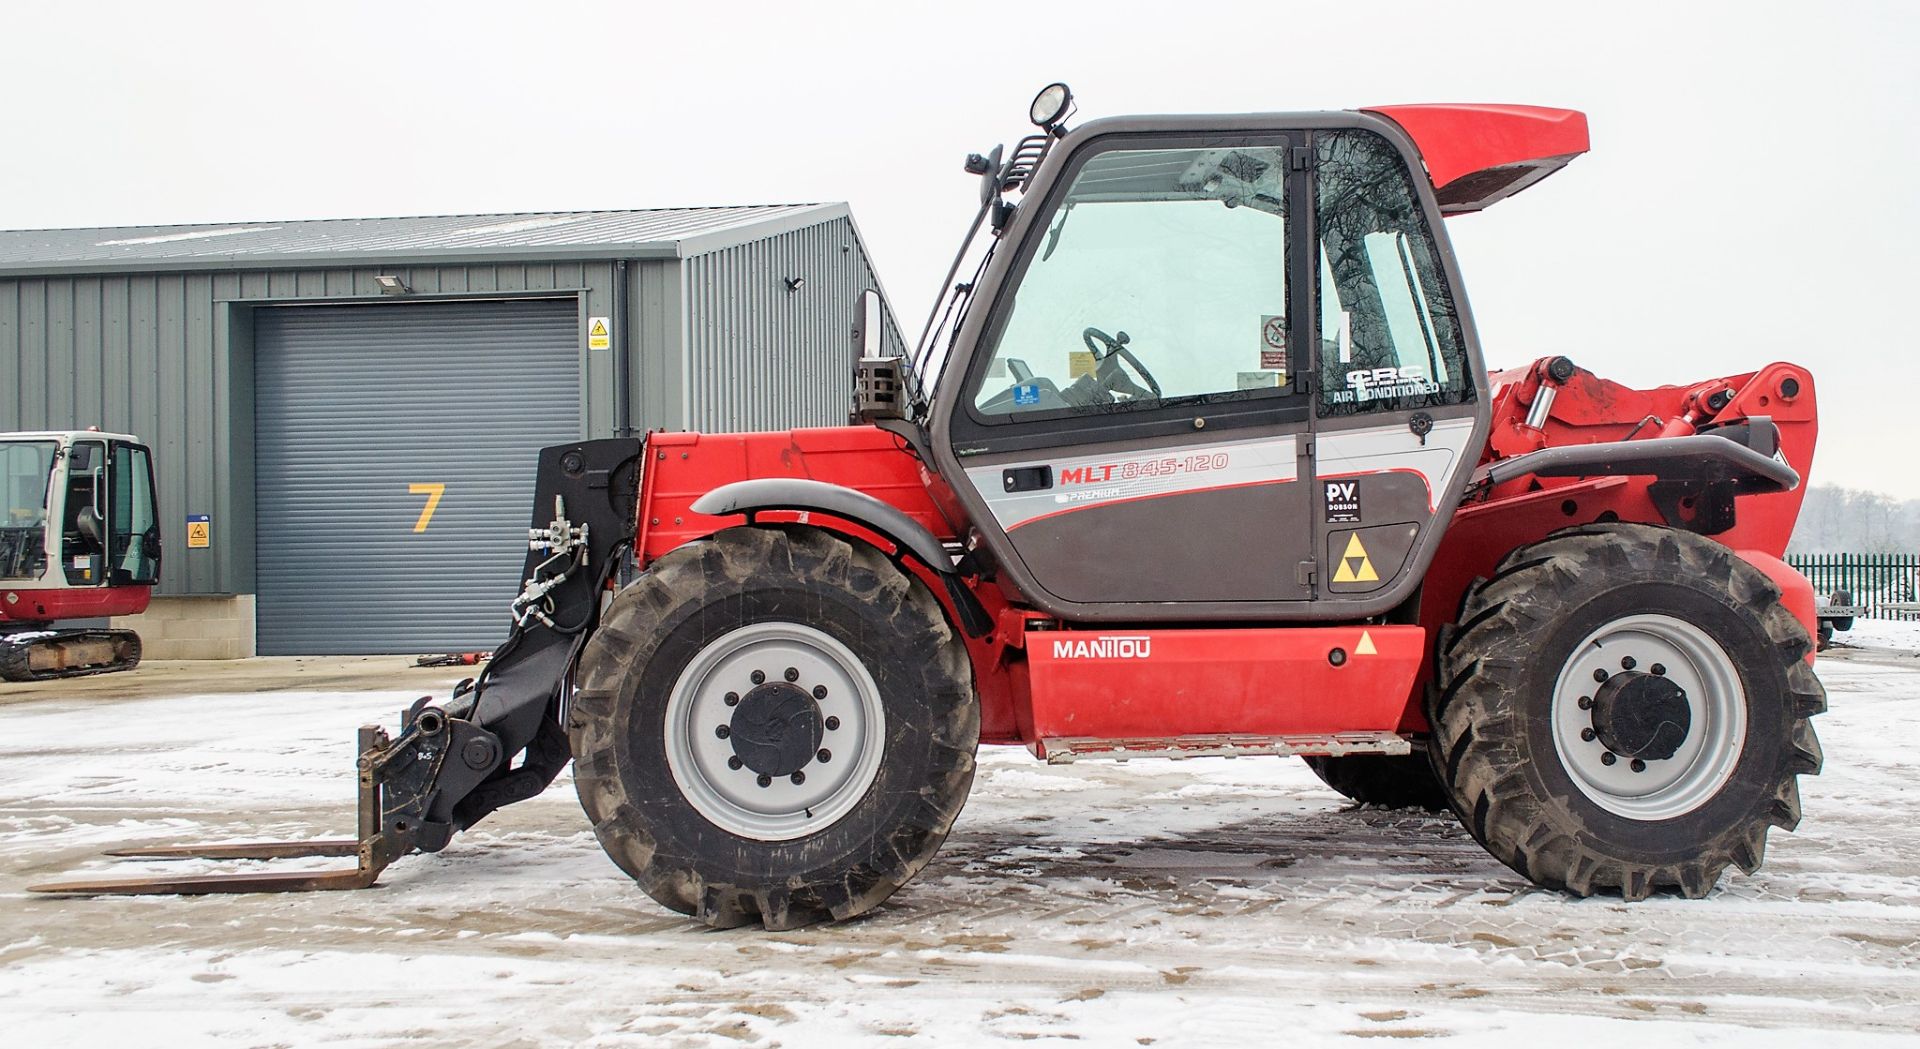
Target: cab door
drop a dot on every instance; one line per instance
(1135, 419)
(1396, 419)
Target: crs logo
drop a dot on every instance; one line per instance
(1365, 380)
(1130, 646)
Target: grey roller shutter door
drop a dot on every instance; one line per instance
(354, 407)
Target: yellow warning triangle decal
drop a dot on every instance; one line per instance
(599, 328)
(1355, 565)
(1365, 647)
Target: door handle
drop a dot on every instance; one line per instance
(1027, 478)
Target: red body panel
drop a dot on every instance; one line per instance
(1276, 681)
(48, 606)
(1796, 591)
(682, 467)
(1120, 684)
(1477, 154)
(1588, 409)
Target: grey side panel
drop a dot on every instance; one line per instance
(355, 404)
(1223, 520)
(1219, 545)
(1391, 447)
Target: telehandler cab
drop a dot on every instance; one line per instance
(1202, 459)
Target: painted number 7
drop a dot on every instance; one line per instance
(433, 492)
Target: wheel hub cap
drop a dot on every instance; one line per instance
(774, 731)
(1649, 716)
(1640, 715)
(777, 729)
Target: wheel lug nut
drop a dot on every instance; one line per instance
(733, 699)
(793, 673)
(1628, 663)
(1608, 758)
(1659, 669)
(798, 778)
(765, 780)
(722, 731)
(1637, 765)
(759, 677)
(1586, 702)
(734, 762)
(825, 754)
(1599, 675)
(832, 723)
(819, 691)
(1586, 734)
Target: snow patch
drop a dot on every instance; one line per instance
(517, 226)
(199, 234)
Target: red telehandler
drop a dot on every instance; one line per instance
(1202, 459)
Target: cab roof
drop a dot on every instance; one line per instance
(66, 435)
(1478, 154)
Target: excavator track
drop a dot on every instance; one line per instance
(49, 655)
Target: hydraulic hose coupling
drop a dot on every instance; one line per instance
(1548, 375)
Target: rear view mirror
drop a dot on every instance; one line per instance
(869, 324)
(878, 380)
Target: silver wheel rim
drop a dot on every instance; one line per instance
(732, 796)
(1665, 788)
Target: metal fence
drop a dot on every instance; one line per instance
(1887, 585)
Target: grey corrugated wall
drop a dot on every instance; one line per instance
(717, 341)
(763, 357)
(169, 356)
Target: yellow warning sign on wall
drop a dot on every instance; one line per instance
(199, 531)
(1355, 565)
(599, 333)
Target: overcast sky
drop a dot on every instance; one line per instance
(1751, 194)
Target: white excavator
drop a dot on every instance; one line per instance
(79, 541)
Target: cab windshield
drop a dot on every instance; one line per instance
(24, 468)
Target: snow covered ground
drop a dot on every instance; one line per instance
(1902, 635)
(1208, 902)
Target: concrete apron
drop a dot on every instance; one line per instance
(262, 674)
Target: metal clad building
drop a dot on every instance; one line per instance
(310, 411)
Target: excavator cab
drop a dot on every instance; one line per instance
(80, 539)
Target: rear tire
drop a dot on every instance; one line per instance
(1401, 781)
(1706, 679)
(814, 788)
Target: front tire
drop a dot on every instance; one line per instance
(1624, 708)
(774, 725)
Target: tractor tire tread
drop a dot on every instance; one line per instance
(671, 594)
(1478, 716)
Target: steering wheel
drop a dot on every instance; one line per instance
(1106, 350)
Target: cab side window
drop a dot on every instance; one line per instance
(1161, 278)
(1390, 338)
